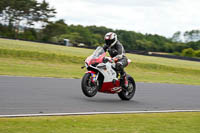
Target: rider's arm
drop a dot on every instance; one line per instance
(105, 47)
(120, 50)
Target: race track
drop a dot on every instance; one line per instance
(23, 95)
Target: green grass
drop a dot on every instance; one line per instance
(21, 58)
(123, 123)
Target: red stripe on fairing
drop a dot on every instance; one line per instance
(91, 72)
(91, 60)
(108, 86)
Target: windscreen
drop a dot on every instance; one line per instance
(99, 51)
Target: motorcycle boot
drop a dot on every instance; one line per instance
(124, 81)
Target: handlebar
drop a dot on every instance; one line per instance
(111, 60)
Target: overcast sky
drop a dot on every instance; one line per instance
(163, 17)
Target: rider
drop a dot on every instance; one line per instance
(117, 52)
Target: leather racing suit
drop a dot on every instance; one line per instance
(117, 51)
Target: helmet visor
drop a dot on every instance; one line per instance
(109, 42)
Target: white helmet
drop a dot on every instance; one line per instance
(110, 39)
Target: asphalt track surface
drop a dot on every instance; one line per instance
(26, 95)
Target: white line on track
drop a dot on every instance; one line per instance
(9, 76)
(96, 113)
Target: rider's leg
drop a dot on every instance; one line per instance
(120, 67)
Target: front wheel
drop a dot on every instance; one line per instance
(127, 94)
(88, 87)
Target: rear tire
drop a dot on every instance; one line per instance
(127, 94)
(88, 88)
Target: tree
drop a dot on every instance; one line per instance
(3, 6)
(169, 47)
(14, 12)
(28, 34)
(177, 37)
(188, 52)
(99, 30)
(196, 35)
(197, 53)
(54, 29)
(42, 13)
(192, 36)
(74, 38)
(144, 45)
(194, 45)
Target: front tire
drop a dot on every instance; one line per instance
(127, 94)
(89, 89)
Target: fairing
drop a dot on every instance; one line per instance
(109, 87)
(96, 57)
(95, 64)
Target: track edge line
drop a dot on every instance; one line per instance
(95, 113)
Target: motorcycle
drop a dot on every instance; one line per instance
(103, 77)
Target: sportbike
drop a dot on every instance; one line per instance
(103, 77)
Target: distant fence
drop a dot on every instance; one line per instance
(127, 51)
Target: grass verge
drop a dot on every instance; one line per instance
(123, 123)
(21, 58)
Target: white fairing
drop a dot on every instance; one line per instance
(108, 73)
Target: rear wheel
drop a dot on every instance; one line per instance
(127, 94)
(88, 87)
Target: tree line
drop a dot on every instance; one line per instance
(19, 17)
(23, 14)
(187, 36)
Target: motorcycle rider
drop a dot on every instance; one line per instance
(117, 52)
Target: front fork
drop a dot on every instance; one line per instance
(94, 76)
